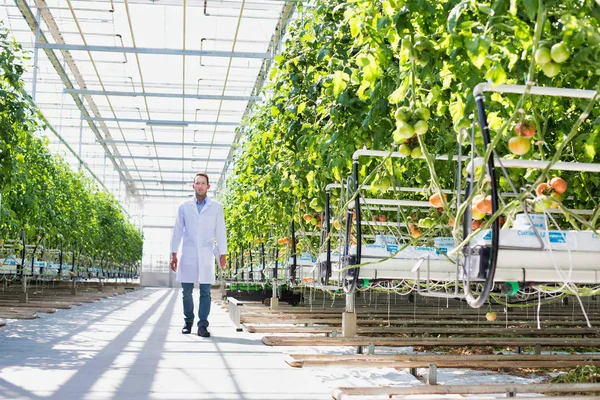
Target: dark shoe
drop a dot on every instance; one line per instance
(202, 331)
(187, 329)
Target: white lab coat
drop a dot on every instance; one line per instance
(203, 237)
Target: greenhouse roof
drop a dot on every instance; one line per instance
(143, 94)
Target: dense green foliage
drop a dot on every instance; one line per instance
(348, 67)
(39, 193)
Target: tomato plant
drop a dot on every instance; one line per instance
(39, 193)
(399, 75)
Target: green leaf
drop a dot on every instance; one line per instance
(455, 14)
(361, 90)
(398, 95)
(336, 174)
(382, 24)
(362, 60)
(477, 51)
(355, 26)
(590, 148)
(496, 74)
(388, 9)
(301, 107)
(340, 80)
(446, 75)
(371, 71)
(531, 7)
(457, 108)
(405, 50)
(494, 121)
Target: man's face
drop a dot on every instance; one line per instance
(200, 186)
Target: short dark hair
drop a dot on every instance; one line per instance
(204, 174)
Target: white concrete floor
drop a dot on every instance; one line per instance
(130, 347)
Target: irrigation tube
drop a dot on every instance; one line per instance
(492, 259)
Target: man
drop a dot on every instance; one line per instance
(200, 223)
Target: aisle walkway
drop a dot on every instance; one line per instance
(130, 347)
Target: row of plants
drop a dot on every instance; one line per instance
(398, 75)
(41, 198)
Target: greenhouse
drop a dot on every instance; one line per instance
(280, 199)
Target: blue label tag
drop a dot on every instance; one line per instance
(392, 248)
(558, 237)
(488, 236)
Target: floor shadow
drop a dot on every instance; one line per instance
(85, 378)
(148, 357)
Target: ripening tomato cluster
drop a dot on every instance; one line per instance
(550, 194)
(314, 220)
(520, 144)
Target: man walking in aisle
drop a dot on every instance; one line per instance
(201, 224)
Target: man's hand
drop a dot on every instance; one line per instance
(174, 262)
(223, 260)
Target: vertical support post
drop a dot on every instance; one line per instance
(294, 259)
(21, 271)
(358, 216)
(262, 255)
(251, 271)
(73, 287)
(371, 349)
(35, 54)
(104, 170)
(327, 230)
(242, 263)
(80, 137)
(23, 296)
(274, 298)
(432, 376)
(349, 325)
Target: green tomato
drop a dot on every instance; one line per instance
(551, 69)
(423, 113)
(402, 114)
(426, 222)
(542, 56)
(416, 153)
(559, 53)
(384, 184)
(421, 127)
(403, 131)
(405, 150)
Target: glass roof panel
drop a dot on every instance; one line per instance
(180, 54)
